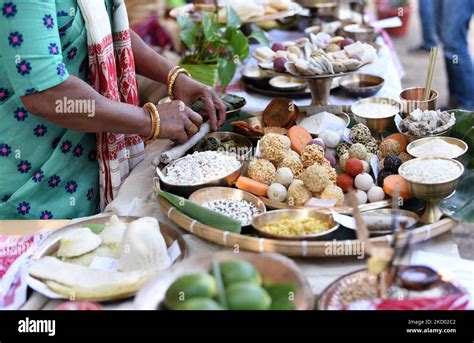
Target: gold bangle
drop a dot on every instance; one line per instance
(172, 76)
(155, 122)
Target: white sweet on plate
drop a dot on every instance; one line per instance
(143, 247)
(113, 231)
(78, 242)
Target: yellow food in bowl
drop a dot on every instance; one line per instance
(296, 226)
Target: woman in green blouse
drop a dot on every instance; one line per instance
(48, 155)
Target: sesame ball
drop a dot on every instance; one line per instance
(372, 146)
(274, 147)
(315, 178)
(298, 194)
(360, 134)
(293, 162)
(262, 170)
(312, 154)
(342, 148)
(389, 147)
(333, 192)
(358, 151)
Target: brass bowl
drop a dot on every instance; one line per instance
(455, 141)
(411, 138)
(376, 125)
(208, 194)
(274, 268)
(431, 193)
(360, 32)
(412, 99)
(379, 222)
(362, 85)
(263, 219)
(186, 190)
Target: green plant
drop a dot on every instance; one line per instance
(209, 42)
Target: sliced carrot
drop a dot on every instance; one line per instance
(251, 186)
(400, 139)
(299, 138)
(393, 183)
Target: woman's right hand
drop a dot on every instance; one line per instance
(176, 120)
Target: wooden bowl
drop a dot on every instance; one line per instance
(274, 268)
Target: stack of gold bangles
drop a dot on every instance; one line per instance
(155, 122)
(172, 76)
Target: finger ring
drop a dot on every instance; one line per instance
(192, 130)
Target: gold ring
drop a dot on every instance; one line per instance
(192, 130)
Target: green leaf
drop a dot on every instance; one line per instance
(188, 31)
(226, 69)
(209, 26)
(95, 228)
(460, 204)
(233, 19)
(260, 36)
(239, 44)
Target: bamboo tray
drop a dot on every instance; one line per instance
(295, 248)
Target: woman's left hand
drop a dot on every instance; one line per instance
(189, 91)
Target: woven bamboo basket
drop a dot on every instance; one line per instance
(296, 248)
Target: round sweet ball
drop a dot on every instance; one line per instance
(392, 163)
(298, 194)
(333, 192)
(389, 147)
(342, 148)
(364, 181)
(273, 147)
(284, 176)
(358, 150)
(354, 167)
(331, 139)
(262, 170)
(331, 158)
(315, 178)
(312, 154)
(360, 134)
(345, 182)
(375, 194)
(361, 197)
(277, 192)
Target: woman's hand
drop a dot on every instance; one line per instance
(178, 122)
(190, 91)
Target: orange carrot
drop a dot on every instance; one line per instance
(251, 186)
(393, 182)
(299, 138)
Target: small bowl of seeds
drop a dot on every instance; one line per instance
(232, 202)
